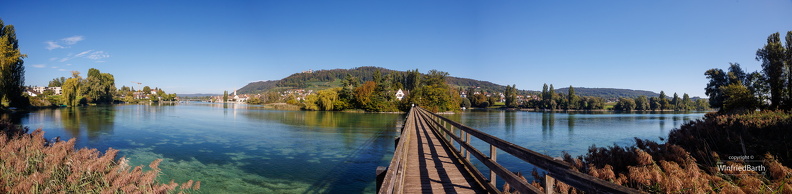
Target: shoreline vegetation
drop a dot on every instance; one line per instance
(735, 150)
(723, 153)
(31, 164)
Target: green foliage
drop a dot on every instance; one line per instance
(773, 57)
(12, 69)
(466, 103)
(737, 99)
(71, 89)
(99, 87)
(625, 104)
(225, 95)
(57, 82)
(511, 96)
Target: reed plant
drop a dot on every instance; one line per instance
(31, 164)
(694, 158)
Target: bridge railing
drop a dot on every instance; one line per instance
(556, 169)
(394, 174)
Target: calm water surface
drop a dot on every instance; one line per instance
(244, 149)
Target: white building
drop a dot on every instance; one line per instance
(400, 94)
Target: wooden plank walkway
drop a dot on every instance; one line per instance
(432, 167)
(425, 162)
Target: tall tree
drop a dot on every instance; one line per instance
(12, 69)
(71, 90)
(572, 98)
(57, 82)
(788, 66)
(225, 95)
(99, 87)
(641, 103)
(772, 58)
(717, 78)
(511, 96)
(676, 101)
(686, 102)
(663, 100)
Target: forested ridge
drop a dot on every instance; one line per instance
(323, 79)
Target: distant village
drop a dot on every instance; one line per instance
(300, 94)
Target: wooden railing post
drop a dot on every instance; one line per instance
(467, 152)
(494, 157)
(549, 183)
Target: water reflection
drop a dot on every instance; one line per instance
(94, 122)
(548, 123)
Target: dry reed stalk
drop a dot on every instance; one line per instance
(31, 164)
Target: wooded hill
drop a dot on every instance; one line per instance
(609, 93)
(323, 79)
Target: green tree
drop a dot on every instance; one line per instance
(663, 100)
(57, 82)
(12, 69)
(675, 102)
(772, 56)
(511, 96)
(71, 90)
(99, 87)
(625, 104)
(687, 103)
(654, 103)
(737, 99)
(326, 99)
(225, 94)
(572, 98)
(466, 103)
(641, 103)
(434, 94)
(717, 78)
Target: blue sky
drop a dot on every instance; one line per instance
(211, 46)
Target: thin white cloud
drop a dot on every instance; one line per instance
(54, 67)
(61, 70)
(39, 66)
(68, 64)
(64, 41)
(89, 54)
(54, 58)
(98, 55)
(53, 45)
(83, 53)
(72, 40)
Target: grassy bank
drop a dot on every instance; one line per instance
(31, 164)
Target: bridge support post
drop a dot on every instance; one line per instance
(494, 157)
(381, 171)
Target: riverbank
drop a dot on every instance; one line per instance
(31, 164)
(721, 153)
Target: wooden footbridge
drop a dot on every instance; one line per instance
(426, 161)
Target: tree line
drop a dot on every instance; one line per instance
(736, 91)
(378, 94)
(96, 88)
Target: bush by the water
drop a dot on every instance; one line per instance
(31, 164)
(718, 154)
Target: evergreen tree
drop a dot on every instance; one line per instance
(772, 57)
(572, 98)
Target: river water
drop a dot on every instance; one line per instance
(235, 148)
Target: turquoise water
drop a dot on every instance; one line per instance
(245, 149)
